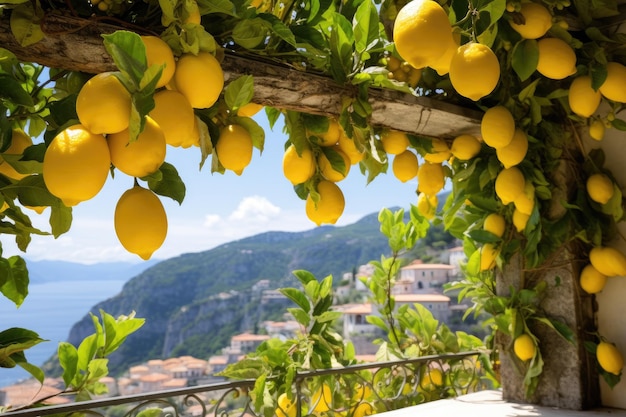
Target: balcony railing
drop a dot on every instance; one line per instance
(353, 391)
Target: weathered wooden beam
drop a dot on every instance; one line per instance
(76, 44)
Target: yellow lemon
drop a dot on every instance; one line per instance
(609, 358)
(286, 407)
(330, 172)
(405, 166)
(515, 152)
(613, 87)
(199, 78)
(430, 178)
(474, 70)
(76, 165)
(597, 129)
(431, 379)
(249, 110)
(141, 157)
(158, 52)
(582, 98)
(497, 127)
(600, 188)
(330, 205)
(193, 13)
(510, 183)
(427, 205)
(234, 148)
(422, 32)
(608, 260)
(363, 409)
(394, 141)
(322, 399)
(174, 114)
(591, 280)
(488, 256)
(465, 147)
(520, 220)
(524, 347)
(525, 202)
(140, 221)
(298, 168)
(495, 224)
(19, 142)
(537, 21)
(442, 65)
(103, 104)
(557, 60)
(439, 152)
(331, 136)
(348, 146)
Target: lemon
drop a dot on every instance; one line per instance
(193, 13)
(199, 78)
(194, 138)
(510, 183)
(557, 60)
(158, 52)
(524, 347)
(439, 152)
(329, 207)
(474, 70)
(488, 255)
(363, 409)
(495, 224)
(613, 87)
(298, 168)
(515, 152)
(520, 220)
(362, 392)
(331, 136)
(140, 221)
(608, 260)
(465, 147)
(348, 146)
(405, 166)
(286, 407)
(597, 129)
(76, 165)
(582, 98)
(427, 205)
(442, 65)
(497, 127)
(431, 379)
(141, 157)
(609, 358)
(600, 188)
(430, 178)
(249, 110)
(591, 280)
(537, 21)
(328, 171)
(525, 202)
(422, 32)
(394, 142)
(234, 148)
(174, 114)
(103, 104)
(322, 399)
(19, 142)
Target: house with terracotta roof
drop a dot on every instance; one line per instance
(418, 277)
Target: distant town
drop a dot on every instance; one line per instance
(417, 282)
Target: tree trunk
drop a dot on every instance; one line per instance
(75, 44)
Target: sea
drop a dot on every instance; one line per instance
(50, 309)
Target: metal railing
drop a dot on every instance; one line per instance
(352, 391)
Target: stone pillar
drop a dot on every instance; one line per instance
(569, 379)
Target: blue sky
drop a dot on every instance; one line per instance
(217, 208)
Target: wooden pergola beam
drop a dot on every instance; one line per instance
(75, 44)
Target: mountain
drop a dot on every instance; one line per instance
(196, 301)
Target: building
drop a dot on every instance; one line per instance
(420, 277)
(246, 342)
(456, 258)
(437, 304)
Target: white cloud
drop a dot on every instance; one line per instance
(255, 209)
(211, 219)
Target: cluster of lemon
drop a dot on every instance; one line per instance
(78, 159)
(402, 71)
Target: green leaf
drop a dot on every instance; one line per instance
(129, 54)
(68, 359)
(280, 29)
(15, 283)
(34, 370)
(150, 412)
(11, 90)
(297, 297)
(483, 236)
(525, 57)
(250, 33)
(25, 23)
(167, 183)
(341, 48)
(365, 26)
(13, 343)
(239, 92)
